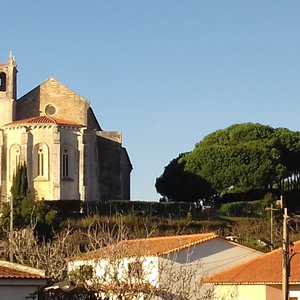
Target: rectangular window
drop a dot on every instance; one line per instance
(135, 270)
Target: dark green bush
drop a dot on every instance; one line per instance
(246, 208)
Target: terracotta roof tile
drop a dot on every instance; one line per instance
(142, 287)
(44, 120)
(16, 271)
(6, 273)
(264, 269)
(149, 246)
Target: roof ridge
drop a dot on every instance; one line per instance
(169, 237)
(193, 243)
(22, 268)
(43, 119)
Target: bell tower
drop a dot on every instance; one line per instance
(8, 90)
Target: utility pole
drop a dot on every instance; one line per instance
(271, 209)
(285, 257)
(11, 229)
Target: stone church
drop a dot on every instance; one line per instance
(54, 130)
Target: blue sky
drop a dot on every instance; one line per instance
(164, 72)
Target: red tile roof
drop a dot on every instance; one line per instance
(16, 271)
(266, 269)
(148, 247)
(44, 120)
(129, 288)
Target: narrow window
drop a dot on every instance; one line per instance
(65, 163)
(14, 159)
(2, 82)
(40, 162)
(17, 159)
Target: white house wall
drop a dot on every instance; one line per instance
(242, 292)
(105, 269)
(253, 292)
(294, 294)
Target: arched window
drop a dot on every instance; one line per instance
(14, 159)
(68, 159)
(65, 163)
(41, 162)
(2, 82)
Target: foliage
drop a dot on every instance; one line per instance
(47, 255)
(245, 208)
(76, 294)
(177, 184)
(174, 210)
(19, 189)
(244, 157)
(26, 210)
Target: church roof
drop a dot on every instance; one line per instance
(44, 120)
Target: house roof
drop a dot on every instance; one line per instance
(266, 269)
(16, 271)
(43, 120)
(148, 247)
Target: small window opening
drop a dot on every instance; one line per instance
(17, 159)
(50, 110)
(65, 163)
(40, 162)
(135, 270)
(2, 82)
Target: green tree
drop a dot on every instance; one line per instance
(19, 189)
(26, 210)
(179, 185)
(243, 157)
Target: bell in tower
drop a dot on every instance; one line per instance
(8, 90)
